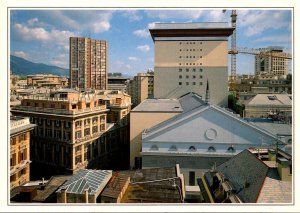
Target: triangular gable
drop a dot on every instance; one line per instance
(208, 125)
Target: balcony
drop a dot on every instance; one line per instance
(88, 137)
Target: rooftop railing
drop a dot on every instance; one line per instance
(59, 111)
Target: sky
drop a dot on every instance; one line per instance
(42, 36)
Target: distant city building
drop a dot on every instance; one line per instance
(20, 128)
(72, 131)
(117, 83)
(278, 106)
(253, 176)
(264, 84)
(188, 56)
(141, 87)
(88, 63)
(271, 65)
(46, 80)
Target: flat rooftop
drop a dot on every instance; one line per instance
(200, 29)
(198, 25)
(159, 105)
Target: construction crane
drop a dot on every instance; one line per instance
(244, 50)
(262, 52)
(233, 51)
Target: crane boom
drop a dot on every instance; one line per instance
(261, 52)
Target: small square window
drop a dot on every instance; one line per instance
(194, 76)
(180, 76)
(194, 83)
(200, 83)
(180, 83)
(180, 70)
(194, 70)
(187, 70)
(201, 76)
(201, 70)
(187, 76)
(187, 83)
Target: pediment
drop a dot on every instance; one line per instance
(209, 125)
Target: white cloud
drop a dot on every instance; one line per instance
(101, 26)
(132, 15)
(120, 65)
(132, 58)
(21, 54)
(257, 22)
(141, 33)
(40, 34)
(32, 22)
(61, 60)
(143, 48)
(174, 14)
(274, 39)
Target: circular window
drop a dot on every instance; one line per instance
(210, 134)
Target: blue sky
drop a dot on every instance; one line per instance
(43, 35)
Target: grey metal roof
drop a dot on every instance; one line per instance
(159, 105)
(275, 128)
(91, 180)
(245, 168)
(191, 101)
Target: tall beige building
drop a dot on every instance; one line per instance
(187, 56)
(88, 63)
(141, 87)
(271, 65)
(20, 128)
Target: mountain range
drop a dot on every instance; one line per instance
(23, 67)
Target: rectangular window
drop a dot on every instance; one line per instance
(179, 83)
(192, 178)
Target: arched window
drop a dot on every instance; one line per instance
(231, 149)
(154, 147)
(211, 149)
(192, 149)
(173, 148)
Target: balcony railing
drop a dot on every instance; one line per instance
(88, 137)
(59, 111)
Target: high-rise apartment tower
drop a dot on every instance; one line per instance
(88, 63)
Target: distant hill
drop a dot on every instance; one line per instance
(20, 66)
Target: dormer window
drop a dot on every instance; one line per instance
(173, 148)
(154, 148)
(211, 149)
(192, 149)
(230, 149)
